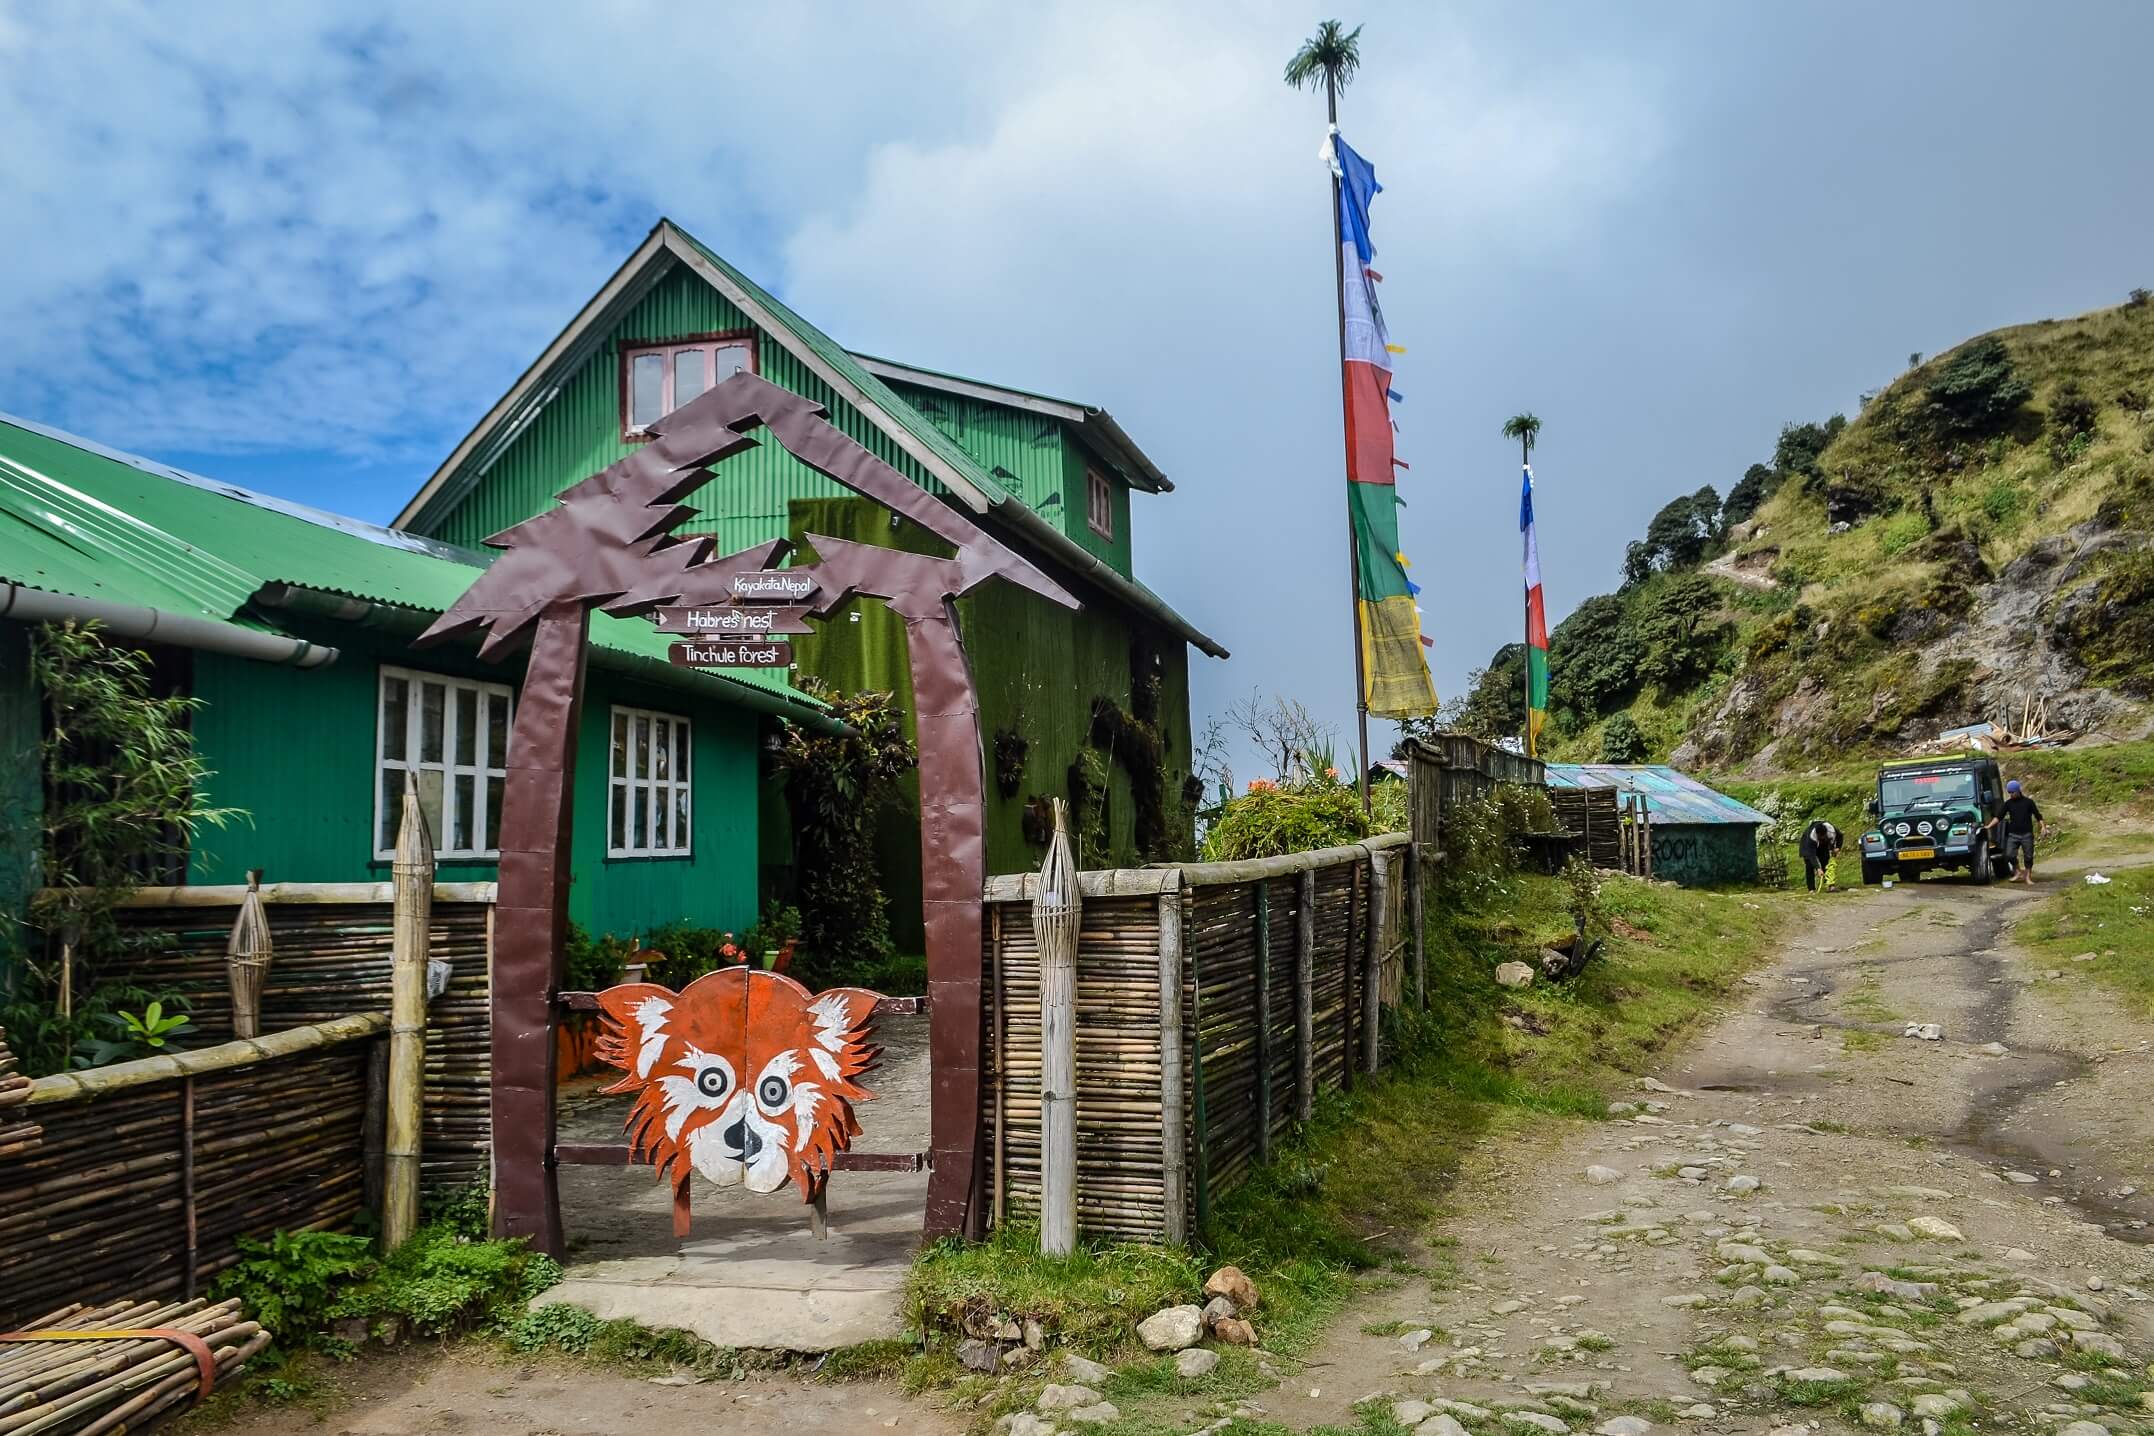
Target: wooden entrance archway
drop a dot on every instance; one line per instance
(609, 545)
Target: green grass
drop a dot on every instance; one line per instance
(1358, 1192)
(2080, 917)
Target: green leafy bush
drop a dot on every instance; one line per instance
(1976, 394)
(836, 782)
(1273, 819)
(299, 1284)
(1621, 742)
(2001, 501)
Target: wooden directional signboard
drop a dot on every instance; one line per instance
(774, 585)
(733, 653)
(732, 621)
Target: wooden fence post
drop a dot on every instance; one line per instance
(1305, 998)
(413, 878)
(1263, 1016)
(1349, 969)
(1645, 837)
(373, 1128)
(1174, 1132)
(1419, 937)
(1372, 964)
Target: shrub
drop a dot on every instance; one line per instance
(299, 1284)
(1902, 532)
(2138, 297)
(1621, 742)
(2073, 415)
(1976, 394)
(836, 783)
(2001, 501)
(1479, 859)
(1272, 819)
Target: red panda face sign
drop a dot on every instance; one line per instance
(744, 1076)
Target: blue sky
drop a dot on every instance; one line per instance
(303, 247)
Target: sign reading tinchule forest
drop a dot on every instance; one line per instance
(774, 586)
(733, 653)
(732, 621)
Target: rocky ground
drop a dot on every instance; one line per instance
(1809, 1220)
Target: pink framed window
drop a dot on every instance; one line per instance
(656, 379)
(1099, 503)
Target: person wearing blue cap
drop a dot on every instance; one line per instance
(2018, 816)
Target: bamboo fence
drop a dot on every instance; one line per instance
(150, 1171)
(1213, 1001)
(86, 1387)
(1451, 768)
(334, 943)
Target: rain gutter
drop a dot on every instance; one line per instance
(153, 625)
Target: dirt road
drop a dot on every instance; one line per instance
(1809, 1219)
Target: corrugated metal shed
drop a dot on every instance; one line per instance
(1674, 797)
(77, 518)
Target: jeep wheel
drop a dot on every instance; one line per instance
(1872, 874)
(1980, 871)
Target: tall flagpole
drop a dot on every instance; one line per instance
(1525, 599)
(1353, 550)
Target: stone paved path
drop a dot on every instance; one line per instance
(1808, 1220)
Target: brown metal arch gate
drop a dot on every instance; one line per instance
(609, 545)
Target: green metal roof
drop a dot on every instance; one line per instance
(81, 519)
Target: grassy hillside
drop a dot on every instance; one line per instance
(1984, 527)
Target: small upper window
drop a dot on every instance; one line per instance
(1099, 503)
(656, 379)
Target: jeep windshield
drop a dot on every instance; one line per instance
(1923, 790)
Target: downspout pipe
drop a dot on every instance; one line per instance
(153, 625)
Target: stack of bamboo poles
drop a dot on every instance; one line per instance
(146, 1180)
(18, 1134)
(85, 1386)
(333, 960)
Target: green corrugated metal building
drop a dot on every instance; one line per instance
(294, 627)
(1066, 698)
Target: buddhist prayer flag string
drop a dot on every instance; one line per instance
(1395, 672)
(1536, 622)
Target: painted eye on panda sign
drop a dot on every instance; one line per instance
(773, 1091)
(713, 1081)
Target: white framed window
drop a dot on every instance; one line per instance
(648, 802)
(448, 740)
(656, 379)
(1099, 503)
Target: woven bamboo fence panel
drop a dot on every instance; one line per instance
(1120, 1186)
(1591, 814)
(1238, 993)
(333, 961)
(142, 1188)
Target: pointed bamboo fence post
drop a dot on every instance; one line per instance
(247, 956)
(1056, 917)
(413, 882)
(1176, 1137)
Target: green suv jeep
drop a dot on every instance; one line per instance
(1933, 813)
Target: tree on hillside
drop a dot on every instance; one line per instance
(1679, 533)
(1749, 495)
(1677, 628)
(1796, 454)
(1526, 428)
(1975, 395)
(1621, 742)
(1637, 564)
(1492, 705)
(1593, 657)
